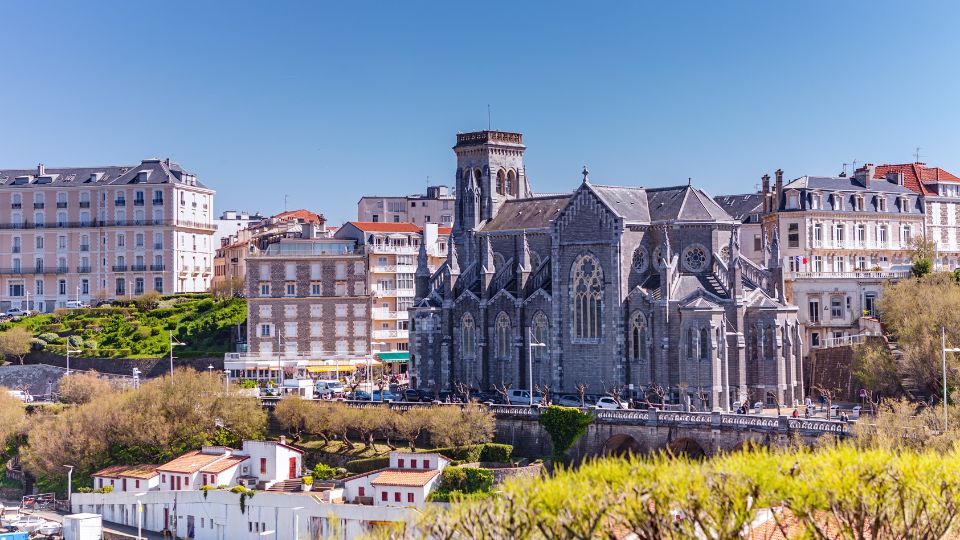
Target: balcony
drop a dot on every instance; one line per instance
(16, 249)
(120, 202)
(856, 274)
(389, 248)
(157, 267)
(388, 314)
(138, 268)
(16, 205)
(119, 268)
(388, 334)
(158, 202)
(84, 204)
(83, 269)
(196, 225)
(392, 292)
(138, 202)
(38, 206)
(61, 204)
(196, 270)
(62, 270)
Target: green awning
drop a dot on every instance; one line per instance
(397, 357)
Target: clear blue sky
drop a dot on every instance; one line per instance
(326, 103)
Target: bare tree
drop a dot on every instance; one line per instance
(776, 401)
(461, 389)
(504, 390)
(828, 394)
(614, 391)
(582, 392)
(702, 398)
(544, 392)
(658, 391)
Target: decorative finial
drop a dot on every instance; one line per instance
(586, 174)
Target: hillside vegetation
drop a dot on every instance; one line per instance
(140, 327)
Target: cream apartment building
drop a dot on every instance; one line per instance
(840, 239)
(86, 233)
(436, 206)
(391, 251)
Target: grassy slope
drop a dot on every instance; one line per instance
(200, 322)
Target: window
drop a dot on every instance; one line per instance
(861, 237)
(638, 337)
(265, 330)
(815, 339)
(540, 325)
(757, 243)
(361, 491)
(405, 281)
(836, 307)
(158, 284)
(316, 310)
(121, 286)
(340, 310)
(503, 336)
(340, 328)
(870, 304)
(882, 203)
(315, 288)
(291, 288)
(587, 298)
(39, 287)
(263, 465)
(838, 233)
(290, 311)
(62, 287)
(400, 463)
(383, 496)
(410, 497)
(905, 234)
(793, 235)
(467, 337)
(39, 241)
(704, 343)
(264, 289)
(882, 234)
(813, 311)
(396, 496)
(290, 329)
(818, 263)
(316, 329)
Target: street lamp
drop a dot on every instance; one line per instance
(173, 343)
(943, 357)
(69, 485)
(530, 345)
(139, 515)
(71, 351)
(296, 521)
(210, 368)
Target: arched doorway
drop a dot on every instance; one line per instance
(621, 445)
(686, 447)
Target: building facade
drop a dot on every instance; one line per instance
(390, 251)
(307, 299)
(91, 233)
(231, 222)
(629, 287)
(436, 206)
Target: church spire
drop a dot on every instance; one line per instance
(422, 279)
(524, 266)
(452, 261)
(487, 263)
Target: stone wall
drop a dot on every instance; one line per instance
(149, 367)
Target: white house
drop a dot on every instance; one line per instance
(272, 461)
(260, 464)
(128, 478)
(184, 472)
(407, 481)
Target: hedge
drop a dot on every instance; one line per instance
(367, 464)
(462, 481)
(496, 453)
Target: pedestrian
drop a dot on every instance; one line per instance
(806, 412)
(796, 413)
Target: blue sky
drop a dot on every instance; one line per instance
(327, 102)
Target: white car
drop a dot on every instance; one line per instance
(522, 397)
(570, 400)
(607, 402)
(17, 312)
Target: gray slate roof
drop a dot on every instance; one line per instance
(684, 203)
(532, 213)
(630, 203)
(158, 172)
(841, 183)
(742, 206)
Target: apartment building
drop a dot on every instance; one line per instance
(391, 251)
(307, 303)
(436, 206)
(83, 233)
(231, 222)
(840, 239)
(230, 258)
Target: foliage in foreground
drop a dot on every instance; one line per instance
(151, 424)
(858, 493)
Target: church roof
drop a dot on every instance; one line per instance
(683, 203)
(701, 303)
(741, 206)
(630, 203)
(531, 213)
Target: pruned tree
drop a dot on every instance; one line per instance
(503, 390)
(658, 390)
(776, 400)
(15, 343)
(702, 398)
(828, 394)
(462, 390)
(544, 391)
(582, 393)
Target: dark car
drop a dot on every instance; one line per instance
(414, 395)
(359, 395)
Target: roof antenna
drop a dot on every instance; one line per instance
(284, 202)
(916, 155)
(689, 181)
(844, 173)
(489, 122)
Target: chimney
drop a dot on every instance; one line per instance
(283, 439)
(40, 169)
(779, 185)
(765, 191)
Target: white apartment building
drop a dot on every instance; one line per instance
(102, 232)
(840, 239)
(231, 222)
(436, 206)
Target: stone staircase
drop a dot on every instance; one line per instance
(287, 486)
(909, 385)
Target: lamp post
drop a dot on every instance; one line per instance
(173, 343)
(139, 515)
(530, 345)
(69, 485)
(943, 357)
(296, 522)
(71, 351)
(78, 296)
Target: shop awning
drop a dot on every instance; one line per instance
(345, 368)
(396, 357)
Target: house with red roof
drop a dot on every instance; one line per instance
(260, 464)
(407, 481)
(128, 478)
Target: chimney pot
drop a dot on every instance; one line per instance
(40, 169)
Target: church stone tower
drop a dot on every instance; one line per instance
(489, 171)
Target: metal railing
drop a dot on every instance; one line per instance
(843, 341)
(855, 274)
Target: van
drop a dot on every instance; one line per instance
(76, 304)
(522, 397)
(329, 388)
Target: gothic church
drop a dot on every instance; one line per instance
(625, 287)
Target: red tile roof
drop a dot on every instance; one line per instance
(300, 215)
(916, 175)
(190, 462)
(378, 226)
(218, 467)
(444, 230)
(129, 471)
(404, 477)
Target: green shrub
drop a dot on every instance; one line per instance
(90, 344)
(456, 481)
(367, 464)
(50, 338)
(307, 480)
(37, 344)
(54, 328)
(461, 454)
(322, 471)
(75, 341)
(496, 453)
(248, 383)
(565, 425)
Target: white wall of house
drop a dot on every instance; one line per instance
(218, 517)
(270, 461)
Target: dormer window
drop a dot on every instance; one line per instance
(881, 203)
(814, 201)
(837, 202)
(858, 203)
(904, 204)
(793, 201)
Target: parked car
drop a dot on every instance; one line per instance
(522, 397)
(414, 395)
(16, 312)
(329, 389)
(486, 397)
(607, 402)
(21, 395)
(569, 400)
(76, 304)
(359, 395)
(384, 395)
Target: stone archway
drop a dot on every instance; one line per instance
(686, 447)
(621, 444)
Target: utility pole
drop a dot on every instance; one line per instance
(173, 343)
(530, 345)
(943, 358)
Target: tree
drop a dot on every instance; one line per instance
(292, 413)
(82, 387)
(410, 424)
(922, 256)
(582, 394)
(227, 288)
(147, 301)
(564, 425)
(12, 417)
(875, 366)
(15, 342)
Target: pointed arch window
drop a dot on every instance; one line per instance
(693, 343)
(638, 337)
(540, 325)
(587, 298)
(704, 344)
(501, 182)
(468, 337)
(503, 336)
(512, 187)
